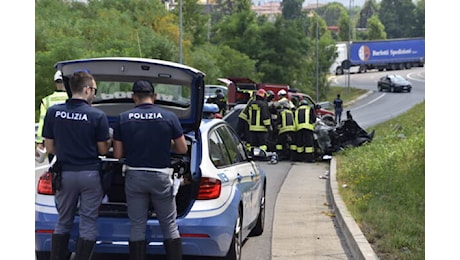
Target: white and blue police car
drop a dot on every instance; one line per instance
(221, 198)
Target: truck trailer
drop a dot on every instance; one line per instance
(393, 54)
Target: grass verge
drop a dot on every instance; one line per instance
(385, 186)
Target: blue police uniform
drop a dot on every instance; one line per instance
(76, 127)
(146, 132)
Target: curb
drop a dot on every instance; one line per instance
(356, 241)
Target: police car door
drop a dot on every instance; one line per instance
(247, 176)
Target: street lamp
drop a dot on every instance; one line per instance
(349, 47)
(317, 54)
(180, 32)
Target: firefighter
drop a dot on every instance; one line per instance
(285, 127)
(257, 115)
(283, 97)
(59, 96)
(305, 120)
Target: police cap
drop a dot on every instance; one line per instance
(143, 86)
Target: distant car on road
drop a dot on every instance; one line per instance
(394, 83)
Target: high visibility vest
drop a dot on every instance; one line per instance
(257, 119)
(58, 97)
(302, 118)
(287, 123)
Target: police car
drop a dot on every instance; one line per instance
(221, 198)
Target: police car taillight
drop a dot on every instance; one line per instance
(209, 189)
(45, 184)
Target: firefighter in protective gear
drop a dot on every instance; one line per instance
(285, 127)
(305, 120)
(273, 114)
(257, 115)
(59, 96)
(283, 97)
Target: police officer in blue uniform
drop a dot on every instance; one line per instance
(145, 136)
(77, 134)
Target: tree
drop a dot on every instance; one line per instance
(419, 24)
(397, 16)
(368, 10)
(332, 13)
(344, 27)
(291, 9)
(375, 29)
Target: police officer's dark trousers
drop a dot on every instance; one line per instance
(81, 188)
(143, 188)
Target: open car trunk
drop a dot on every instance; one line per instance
(114, 202)
(113, 174)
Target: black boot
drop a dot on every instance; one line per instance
(173, 248)
(137, 250)
(60, 246)
(84, 249)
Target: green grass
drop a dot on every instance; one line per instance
(386, 186)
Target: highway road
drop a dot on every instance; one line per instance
(379, 107)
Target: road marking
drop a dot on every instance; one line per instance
(370, 102)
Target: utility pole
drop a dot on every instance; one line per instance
(317, 54)
(349, 47)
(180, 32)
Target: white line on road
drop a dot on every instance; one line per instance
(370, 102)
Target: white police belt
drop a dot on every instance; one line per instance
(168, 171)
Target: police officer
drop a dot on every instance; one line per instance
(145, 136)
(77, 133)
(285, 128)
(338, 108)
(257, 115)
(59, 96)
(305, 120)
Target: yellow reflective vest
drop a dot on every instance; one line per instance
(304, 118)
(57, 97)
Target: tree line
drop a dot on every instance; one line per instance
(223, 39)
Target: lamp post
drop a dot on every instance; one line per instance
(317, 55)
(349, 48)
(180, 32)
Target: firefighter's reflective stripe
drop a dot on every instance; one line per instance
(287, 122)
(302, 118)
(57, 97)
(255, 119)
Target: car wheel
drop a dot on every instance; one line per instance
(379, 88)
(392, 89)
(259, 228)
(234, 252)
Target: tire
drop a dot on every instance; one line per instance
(379, 88)
(259, 227)
(234, 251)
(339, 71)
(392, 89)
